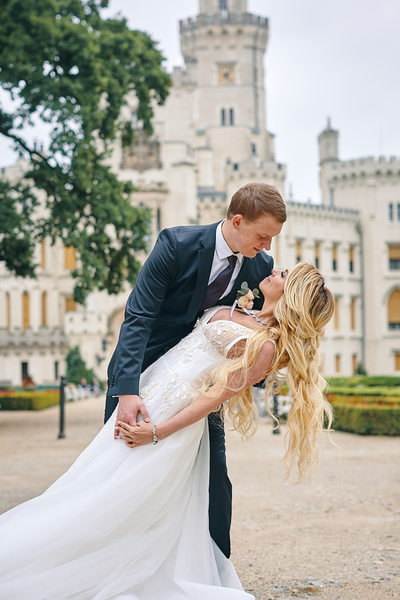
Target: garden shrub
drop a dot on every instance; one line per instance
(372, 419)
(29, 400)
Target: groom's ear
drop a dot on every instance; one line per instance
(237, 220)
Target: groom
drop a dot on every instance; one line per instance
(190, 269)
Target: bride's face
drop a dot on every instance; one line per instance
(272, 287)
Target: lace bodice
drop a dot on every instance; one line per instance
(170, 383)
(223, 335)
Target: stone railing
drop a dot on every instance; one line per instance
(44, 337)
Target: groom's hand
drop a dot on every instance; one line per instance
(129, 406)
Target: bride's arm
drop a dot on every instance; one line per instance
(142, 433)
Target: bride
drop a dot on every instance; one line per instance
(139, 531)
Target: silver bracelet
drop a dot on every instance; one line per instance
(154, 432)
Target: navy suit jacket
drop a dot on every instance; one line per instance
(167, 298)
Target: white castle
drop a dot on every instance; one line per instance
(209, 139)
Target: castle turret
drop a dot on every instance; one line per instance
(328, 143)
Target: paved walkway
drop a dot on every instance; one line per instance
(337, 538)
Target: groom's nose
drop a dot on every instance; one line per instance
(267, 244)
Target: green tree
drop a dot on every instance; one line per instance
(65, 65)
(76, 367)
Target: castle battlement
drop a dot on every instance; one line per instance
(332, 213)
(221, 19)
(360, 167)
(253, 169)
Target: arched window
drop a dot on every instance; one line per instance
(231, 116)
(394, 310)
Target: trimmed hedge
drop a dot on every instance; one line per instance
(29, 400)
(372, 419)
(364, 381)
(364, 396)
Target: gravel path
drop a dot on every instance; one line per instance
(337, 538)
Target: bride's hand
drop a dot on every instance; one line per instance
(135, 435)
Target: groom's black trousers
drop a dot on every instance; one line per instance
(220, 488)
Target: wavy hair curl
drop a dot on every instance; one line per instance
(300, 317)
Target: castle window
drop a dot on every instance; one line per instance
(253, 149)
(43, 254)
(337, 363)
(316, 254)
(351, 259)
(231, 117)
(394, 257)
(223, 116)
(334, 257)
(398, 211)
(298, 251)
(394, 310)
(70, 304)
(331, 196)
(397, 361)
(25, 311)
(226, 74)
(24, 370)
(353, 314)
(354, 363)
(69, 257)
(44, 309)
(336, 323)
(56, 370)
(390, 212)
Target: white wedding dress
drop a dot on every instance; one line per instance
(130, 524)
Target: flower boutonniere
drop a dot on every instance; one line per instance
(245, 297)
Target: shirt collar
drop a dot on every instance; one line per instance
(221, 247)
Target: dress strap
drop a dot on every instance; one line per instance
(210, 312)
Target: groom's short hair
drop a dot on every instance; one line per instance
(256, 199)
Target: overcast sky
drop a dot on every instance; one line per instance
(324, 57)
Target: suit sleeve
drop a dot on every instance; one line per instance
(141, 312)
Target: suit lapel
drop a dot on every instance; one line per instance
(205, 257)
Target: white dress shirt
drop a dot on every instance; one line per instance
(220, 260)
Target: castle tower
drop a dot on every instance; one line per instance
(223, 48)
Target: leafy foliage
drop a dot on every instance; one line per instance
(76, 367)
(64, 65)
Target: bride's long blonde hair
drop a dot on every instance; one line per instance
(301, 314)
